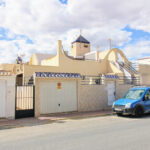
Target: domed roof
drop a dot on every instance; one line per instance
(81, 39)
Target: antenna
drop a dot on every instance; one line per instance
(97, 48)
(110, 43)
(22, 55)
(80, 35)
(80, 31)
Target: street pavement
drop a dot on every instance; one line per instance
(97, 133)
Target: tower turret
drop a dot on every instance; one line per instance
(80, 47)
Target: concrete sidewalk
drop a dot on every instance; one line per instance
(50, 118)
(75, 115)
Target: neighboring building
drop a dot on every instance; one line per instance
(145, 61)
(143, 67)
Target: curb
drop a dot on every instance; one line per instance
(86, 116)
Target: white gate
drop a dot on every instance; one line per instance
(2, 98)
(111, 91)
(24, 101)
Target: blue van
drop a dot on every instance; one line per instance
(135, 102)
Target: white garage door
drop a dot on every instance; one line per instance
(58, 96)
(2, 98)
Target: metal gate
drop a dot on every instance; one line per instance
(24, 101)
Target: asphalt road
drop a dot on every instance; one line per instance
(101, 133)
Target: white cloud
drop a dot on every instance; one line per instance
(44, 22)
(138, 49)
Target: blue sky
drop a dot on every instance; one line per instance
(4, 35)
(25, 28)
(63, 1)
(137, 35)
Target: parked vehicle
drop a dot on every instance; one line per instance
(135, 102)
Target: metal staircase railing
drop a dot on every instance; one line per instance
(128, 67)
(130, 73)
(117, 65)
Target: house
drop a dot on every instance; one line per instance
(82, 81)
(145, 60)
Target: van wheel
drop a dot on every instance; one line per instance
(119, 114)
(138, 111)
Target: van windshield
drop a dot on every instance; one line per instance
(134, 94)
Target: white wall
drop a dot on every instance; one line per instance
(10, 96)
(91, 56)
(2, 98)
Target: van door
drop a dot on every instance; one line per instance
(147, 101)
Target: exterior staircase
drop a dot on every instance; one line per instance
(131, 75)
(129, 67)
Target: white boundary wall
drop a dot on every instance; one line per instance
(95, 97)
(9, 106)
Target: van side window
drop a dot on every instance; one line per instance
(147, 95)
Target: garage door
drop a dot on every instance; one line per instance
(58, 96)
(2, 98)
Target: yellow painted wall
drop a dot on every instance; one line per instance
(79, 49)
(54, 61)
(103, 54)
(14, 68)
(111, 55)
(65, 64)
(84, 68)
(62, 63)
(33, 60)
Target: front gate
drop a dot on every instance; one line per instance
(24, 101)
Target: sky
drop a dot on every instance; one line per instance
(34, 26)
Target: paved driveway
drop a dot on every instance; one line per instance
(100, 133)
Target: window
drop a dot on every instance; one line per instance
(134, 94)
(147, 95)
(85, 45)
(97, 81)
